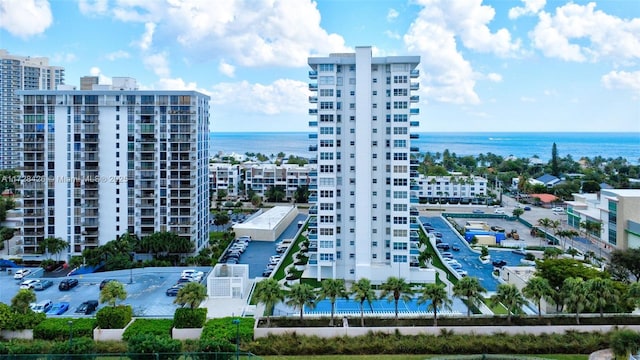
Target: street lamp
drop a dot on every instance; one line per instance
(70, 333)
(236, 322)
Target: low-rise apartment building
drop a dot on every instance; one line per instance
(451, 189)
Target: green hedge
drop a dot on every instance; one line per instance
(147, 346)
(58, 328)
(114, 317)
(223, 329)
(444, 343)
(160, 327)
(185, 318)
(11, 320)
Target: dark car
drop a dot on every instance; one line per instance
(173, 291)
(499, 263)
(67, 284)
(455, 248)
(527, 208)
(87, 307)
(42, 284)
(105, 282)
(443, 246)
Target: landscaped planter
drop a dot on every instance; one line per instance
(186, 334)
(485, 260)
(110, 334)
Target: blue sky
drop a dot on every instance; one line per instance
(492, 65)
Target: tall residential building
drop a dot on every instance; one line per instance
(99, 163)
(20, 73)
(362, 189)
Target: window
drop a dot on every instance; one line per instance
(326, 244)
(400, 156)
(326, 118)
(326, 257)
(399, 194)
(326, 105)
(400, 79)
(399, 233)
(326, 130)
(400, 92)
(326, 231)
(399, 246)
(326, 80)
(400, 143)
(399, 207)
(400, 258)
(326, 206)
(400, 118)
(326, 219)
(352, 81)
(326, 143)
(326, 92)
(400, 104)
(326, 156)
(400, 130)
(326, 193)
(325, 67)
(400, 182)
(400, 220)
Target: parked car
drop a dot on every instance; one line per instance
(443, 246)
(461, 272)
(455, 247)
(87, 307)
(527, 208)
(558, 209)
(498, 211)
(478, 211)
(28, 284)
(192, 273)
(42, 307)
(58, 308)
(497, 228)
(447, 255)
(438, 234)
(42, 284)
(105, 282)
(267, 272)
(67, 284)
(21, 274)
(499, 263)
(173, 291)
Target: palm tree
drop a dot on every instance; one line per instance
(511, 298)
(332, 289)
(395, 289)
(633, 293)
(624, 342)
(602, 292)
(21, 302)
(300, 295)
(269, 293)
(544, 223)
(362, 291)
(576, 295)
(112, 292)
(436, 295)
(470, 289)
(192, 294)
(536, 289)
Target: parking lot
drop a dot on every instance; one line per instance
(145, 289)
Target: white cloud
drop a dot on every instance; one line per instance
(147, 37)
(580, 33)
(90, 7)
(120, 54)
(527, 99)
(63, 58)
(392, 15)
(176, 84)
(102, 79)
(392, 34)
(281, 96)
(25, 18)
(95, 71)
(531, 7)
(248, 33)
(227, 69)
(494, 77)
(622, 80)
(550, 92)
(158, 63)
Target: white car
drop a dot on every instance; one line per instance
(29, 284)
(42, 307)
(20, 274)
(498, 211)
(192, 273)
(558, 209)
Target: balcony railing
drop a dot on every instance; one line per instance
(414, 111)
(313, 74)
(313, 99)
(313, 87)
(415, 73)
(415, 86)
(313, 111)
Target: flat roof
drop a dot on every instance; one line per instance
(267, 220)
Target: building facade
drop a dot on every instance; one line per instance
(223, 176)
(361, 189)
(617, 211)
(20, 73)
(98, 163)
(453, 189)
(289, 177)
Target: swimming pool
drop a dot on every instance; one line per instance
(382, 307)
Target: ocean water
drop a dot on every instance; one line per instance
(519, 144)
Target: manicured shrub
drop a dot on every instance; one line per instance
(18, 346)
(58, 328)
(114, 317)
(185, 318)
(148, 326)
(25, 321)
(153, 347)
(215, 345)
(83, 345)
(111, 347)
(223, 329)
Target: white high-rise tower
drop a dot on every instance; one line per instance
(363, 225)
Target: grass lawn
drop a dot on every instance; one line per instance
(409, 357)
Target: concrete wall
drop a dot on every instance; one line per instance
(16, 334)
(330, 332)
(184, 334)
(110, 334)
